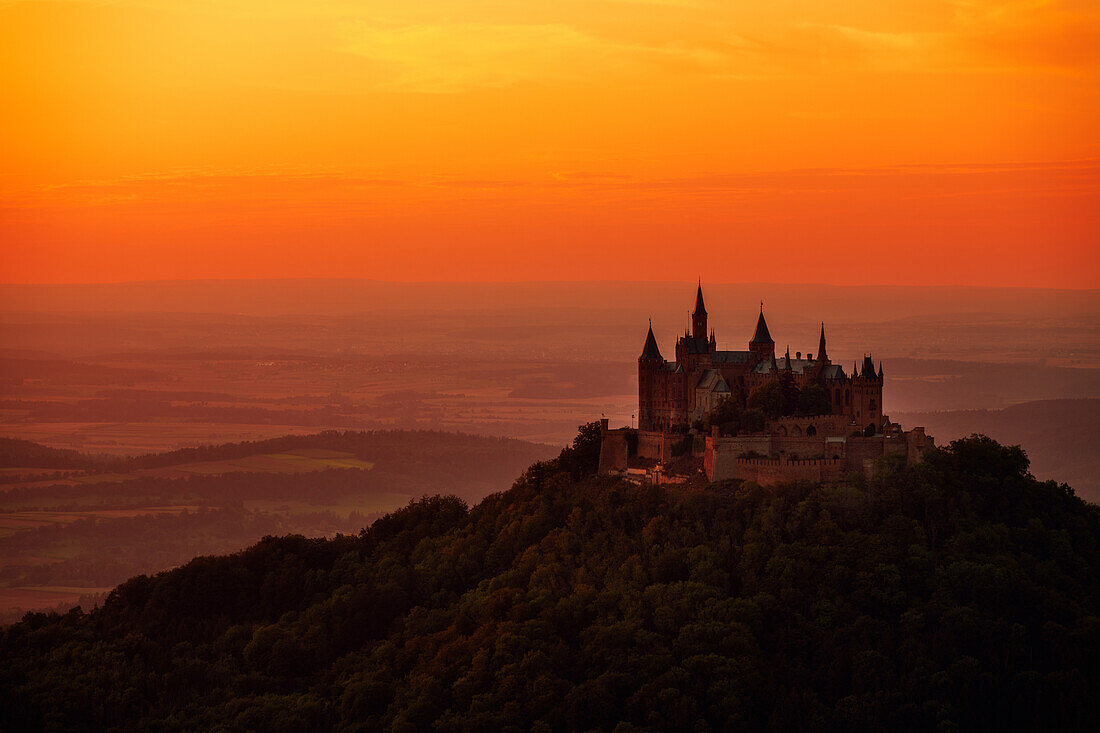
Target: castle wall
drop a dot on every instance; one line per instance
(772, 471)
(614, 451)
(655, 445)
(917, 444)
(811, 458)
(798, 447)
(860, 450)
(823, 426)
(720, 455)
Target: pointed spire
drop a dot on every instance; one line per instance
(821, 356)
(761, 336)
(650, 350)
(787, 359)
(868, 367)
(880, 370)
(700, 309)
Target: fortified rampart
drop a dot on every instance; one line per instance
(774, 458)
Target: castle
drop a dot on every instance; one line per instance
(843, 431)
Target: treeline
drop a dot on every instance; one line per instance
(120, 409)
(72, 372)
(429, 448)
(215, 490)
(104, 552)
(959, 593)
(17, 453)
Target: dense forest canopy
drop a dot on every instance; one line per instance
(959, 593)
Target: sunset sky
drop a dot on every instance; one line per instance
(907, 142)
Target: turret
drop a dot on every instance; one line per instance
(867, 395)
(762, 346)
(699, 316)
(868, 368)
(650, 352)
(649, 384)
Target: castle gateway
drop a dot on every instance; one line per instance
(750, 415)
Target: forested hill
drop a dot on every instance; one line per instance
(957, 594)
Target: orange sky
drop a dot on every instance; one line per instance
(912, 142)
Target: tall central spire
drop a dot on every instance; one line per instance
(821, 356)
(699, 317)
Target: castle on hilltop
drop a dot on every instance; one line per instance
(839, 429)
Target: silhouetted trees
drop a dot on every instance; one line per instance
(959, 593)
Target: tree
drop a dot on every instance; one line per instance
(775, 398)
(583, 457)
(813, 399)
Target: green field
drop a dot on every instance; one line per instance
(301, 460)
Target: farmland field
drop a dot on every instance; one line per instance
(302, 460)
(74, 536)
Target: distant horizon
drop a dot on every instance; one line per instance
(535, 281)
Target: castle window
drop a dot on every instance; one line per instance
(872, 403)
(811, 431)
(847, 397)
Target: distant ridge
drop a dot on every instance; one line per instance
(273, 297)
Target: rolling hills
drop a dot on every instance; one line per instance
(75, 525)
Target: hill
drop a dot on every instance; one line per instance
(74, 525)
(1061, 436)
(957, 594)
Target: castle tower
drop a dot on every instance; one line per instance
(762, 346)
(699, 316)
(867, 396)
(649, 381)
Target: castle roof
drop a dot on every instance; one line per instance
(761, 336)
(798, 366)
(833, 371)
(650, 350)
(731, 357)
(868, 367)
(711, 380)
